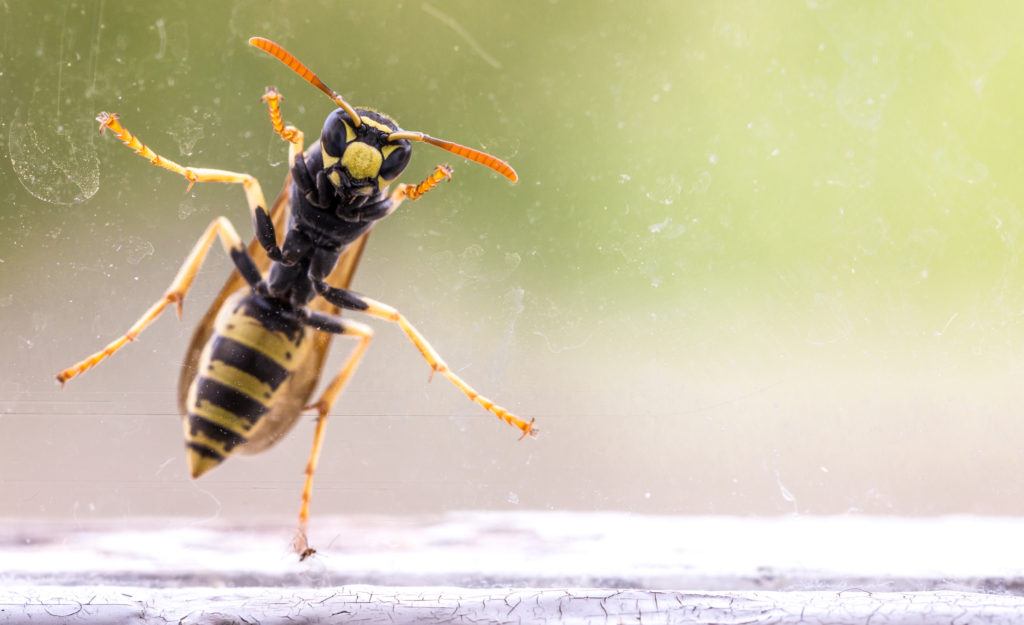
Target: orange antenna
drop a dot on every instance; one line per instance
(476, 156)
(299, 68)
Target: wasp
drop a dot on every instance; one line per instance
(256, 356)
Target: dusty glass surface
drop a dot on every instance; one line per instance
(763, 258)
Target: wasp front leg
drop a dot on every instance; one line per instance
(343, 327)
(264, 225)
(383, 208)
(175, 294)
(289, 133)
(414, 192)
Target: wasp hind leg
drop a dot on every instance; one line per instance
(352, 301)
(220, 228)
(364, 333)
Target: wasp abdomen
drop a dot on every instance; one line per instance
(255, 346)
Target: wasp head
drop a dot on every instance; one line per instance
(359, 159)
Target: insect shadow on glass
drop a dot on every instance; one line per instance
(255, 358)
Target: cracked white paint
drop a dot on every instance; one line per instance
(52, 606)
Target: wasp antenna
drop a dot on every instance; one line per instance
(471, 154)
(299, 68)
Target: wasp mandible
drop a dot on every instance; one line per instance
(256, 356)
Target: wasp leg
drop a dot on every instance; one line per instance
(253, 192)
(354, 329)
(352, 301)
(414, 192)
(401, 193)
(296, 163)
(289, 133)
(220, 228)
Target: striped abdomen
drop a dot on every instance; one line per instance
(255, 346)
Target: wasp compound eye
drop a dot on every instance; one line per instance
(396, 162)
(337, 133)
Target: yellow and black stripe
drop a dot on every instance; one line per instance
(255, 347)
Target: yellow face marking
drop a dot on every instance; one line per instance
(350, 132)
(329, 161)
(375, 124)
(361, 160)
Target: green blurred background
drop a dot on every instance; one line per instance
(763, 258)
